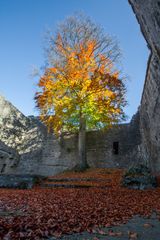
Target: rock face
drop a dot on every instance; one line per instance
(139, 177)
(148, 16)
(20, 181)
(9, 158)
(24, 135)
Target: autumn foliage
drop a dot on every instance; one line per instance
(81, 81)
(82, 84)
(81, 89)
(39, 213)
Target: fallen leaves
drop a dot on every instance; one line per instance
(132, 235)
(39, 213)
(115, 234)
(147, 225)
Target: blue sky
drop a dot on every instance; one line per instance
(22, 28)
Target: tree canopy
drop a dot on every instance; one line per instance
(81, 78)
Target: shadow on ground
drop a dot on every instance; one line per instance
(136, 228)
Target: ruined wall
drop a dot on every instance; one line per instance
(101, 145)
(8, 158)
(61, 154)
(41, 153)
(24, 135)
(38, 151)
(148, 16)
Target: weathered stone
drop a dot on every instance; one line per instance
(148, 16)
(139, 177)
(9, 158)
(18, 181)
(44, 154)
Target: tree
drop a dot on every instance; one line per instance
(81, 89)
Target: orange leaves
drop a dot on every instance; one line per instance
(41, 213)
(59, 44)
(83, 81)
(53, 70)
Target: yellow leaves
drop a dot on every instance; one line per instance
(116, 74)
(91, 46)
(84, 82)
(49, 85)
(109, 94)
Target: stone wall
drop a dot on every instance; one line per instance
(18, 131)
(20, 181)
(148, 16)
(41, 153)
(101, 146)
(9, 158)
(24, 135)
(61, 154)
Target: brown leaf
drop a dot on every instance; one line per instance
(111, 233)
(101, 232)
(119, 234)
(132, 235)
(147, 225)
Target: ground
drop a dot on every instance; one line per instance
(136, 228)
(90, 205)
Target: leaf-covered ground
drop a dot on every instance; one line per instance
(40, 212)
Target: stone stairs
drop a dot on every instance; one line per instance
(52, 182)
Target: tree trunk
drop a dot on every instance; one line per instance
(82, 145)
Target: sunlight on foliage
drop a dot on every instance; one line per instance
(81, 81)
